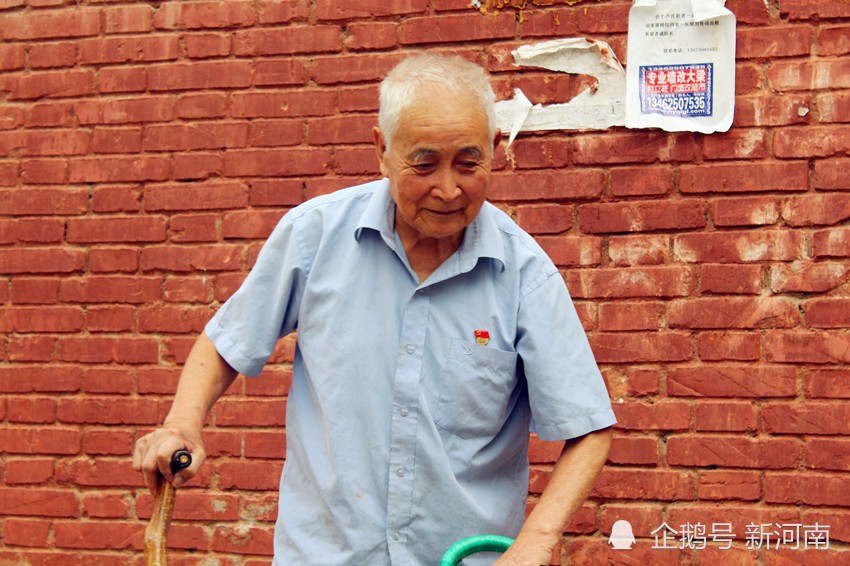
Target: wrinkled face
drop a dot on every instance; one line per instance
(438, 166)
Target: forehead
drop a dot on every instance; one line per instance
(441, 119)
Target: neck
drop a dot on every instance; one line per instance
(424, 254)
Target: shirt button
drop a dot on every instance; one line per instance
(400, 472)
(396, 536)
(404, 411)
(410, 348)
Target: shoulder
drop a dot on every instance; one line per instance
(338, 205)
(520, 247)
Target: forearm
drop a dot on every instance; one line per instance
(205, 377)
(572, 480)
(573, 477)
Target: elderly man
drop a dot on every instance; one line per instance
(432, 334)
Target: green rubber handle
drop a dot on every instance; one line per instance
(474, 545)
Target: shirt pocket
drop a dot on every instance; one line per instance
(478, 383)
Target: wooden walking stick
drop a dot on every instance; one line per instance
(163, 507)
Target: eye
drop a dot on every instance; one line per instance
(467, 164)
(423, 167)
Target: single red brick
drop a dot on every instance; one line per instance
(206, 45)
(635, 451)
(733, 279)
(728, 484)
(109, 506)
(108, 441)
(822, 347)
(205, 14)
(196, 196)
(728, 345)
(572, 250)
(809, 75)
(643, 484)
(112, 318)
(725, 416)
(639, 250)
(545, 218)
(773, 42)
(128, 19)
(253, 540)
(626, 316)
(341, 10)
(249, 224)
(45, 24)
(371, 35)
(820, 418)
(117, 140)
(353, 68)
(108, 380)
(277, 162)
(633, 147)
(201, 105)
(535, 153)
(27, 533)
(637, 282)
(41, 441)
(641, 216)
(833, 40)
(807, 488)
(121, 198)
(827, 313)
(192, 258)
(721, 178)
(355, 128)
(62, 54)
(283, 104)
(826, 383)
(193, 228)
(641, 181)
(733, 312)
(279, 72)
(119, 169)
(195, 165)
(740, 246)
(834, 242)
(112, 260)
(173, 319)
(288, 40)
(117, 229)
(200, 135)
(123, 49)
(545, 185)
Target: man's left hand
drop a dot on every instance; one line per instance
(522, 554)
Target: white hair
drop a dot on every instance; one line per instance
(450, 75)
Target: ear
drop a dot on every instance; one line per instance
(380, 149)
(496, 140)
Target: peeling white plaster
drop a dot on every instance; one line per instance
(594, 108)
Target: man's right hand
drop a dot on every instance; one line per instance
(152, 454)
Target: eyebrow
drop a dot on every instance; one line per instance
(472, 152)
(423, 154)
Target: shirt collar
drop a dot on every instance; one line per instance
(481, 238)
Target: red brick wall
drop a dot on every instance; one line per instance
(146, 149)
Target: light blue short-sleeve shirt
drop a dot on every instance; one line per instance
(408, 417)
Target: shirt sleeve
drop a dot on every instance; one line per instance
(265, 307)
(566, 391)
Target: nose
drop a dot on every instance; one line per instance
(446, 186)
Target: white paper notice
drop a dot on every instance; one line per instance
(681, 66)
